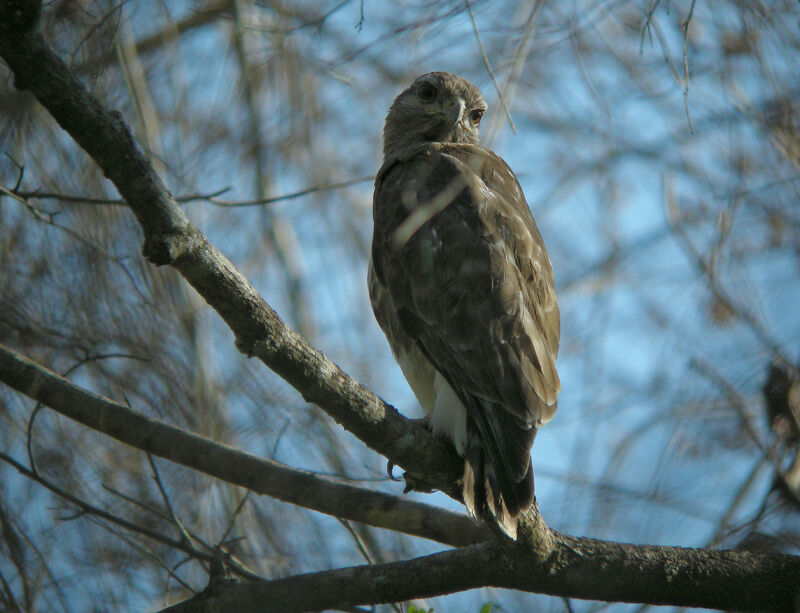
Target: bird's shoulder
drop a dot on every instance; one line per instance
(424, 170)
(452, 157)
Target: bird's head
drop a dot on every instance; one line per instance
(437, 107)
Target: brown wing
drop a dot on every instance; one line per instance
(473, 286)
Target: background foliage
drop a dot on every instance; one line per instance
(669, 206)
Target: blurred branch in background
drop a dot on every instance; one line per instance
(271, 101)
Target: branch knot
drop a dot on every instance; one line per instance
(166, 247)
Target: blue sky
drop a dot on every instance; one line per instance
(643, 448)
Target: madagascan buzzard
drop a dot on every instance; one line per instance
(461, 284)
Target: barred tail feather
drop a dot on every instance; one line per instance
(492, 491)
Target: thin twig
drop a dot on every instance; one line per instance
(165, 497)
(646, 26)
(29, 437)
(144, 552)
(685, 28)
(360, 23)
(138, 503)
(362, 547)
(517, 64)
(278, 438)
(739, 404)
(47, 569)
(24, 197)
(358, 541)
(215, 550)
(298, 194)
(21, 168)
(489, 67)
(740, 497)
(677, 225)
(232, 521)
(39, 406)
(11, 602)
(91, 510)
(97, 25)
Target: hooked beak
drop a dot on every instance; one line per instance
(454, 113)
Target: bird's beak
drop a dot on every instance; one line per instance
(455, 111)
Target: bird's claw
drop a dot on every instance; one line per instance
(413, 484)
(390, 471)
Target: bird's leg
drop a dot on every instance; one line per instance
(413, 484)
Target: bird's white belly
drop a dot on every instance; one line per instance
(445, 412)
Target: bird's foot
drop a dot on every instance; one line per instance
(390, 471)
(413, 484)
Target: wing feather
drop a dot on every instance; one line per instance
(473, 287)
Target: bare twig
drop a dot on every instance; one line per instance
(646, 25)
(165, 497)
(212, 197)
(260, 475)
(676, 223)
(685, 28)
(146, 553)
(232, 521)
(358, 541)
(303, 192)
(519, 58)
(117, 8)
(9, 598)
(137, 503)
(90, 509)
(489, 67)
(86, 359)
(739, 404)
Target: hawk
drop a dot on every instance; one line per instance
(461, 284)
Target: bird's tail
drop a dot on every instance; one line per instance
(498, 476)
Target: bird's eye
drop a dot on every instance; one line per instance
(426, 92)
(475, 116)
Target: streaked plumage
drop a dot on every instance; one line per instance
(461, 284)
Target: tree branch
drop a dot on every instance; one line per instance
(582, 568)
(560, 565)
(171, 239)
(184, 545)
(453, 571)
(262, 476)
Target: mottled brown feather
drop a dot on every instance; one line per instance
(469, 289)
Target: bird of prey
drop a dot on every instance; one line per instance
(461, 284)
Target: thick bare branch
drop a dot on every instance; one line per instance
(171, 239)
(262, 476)
(582, 568)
